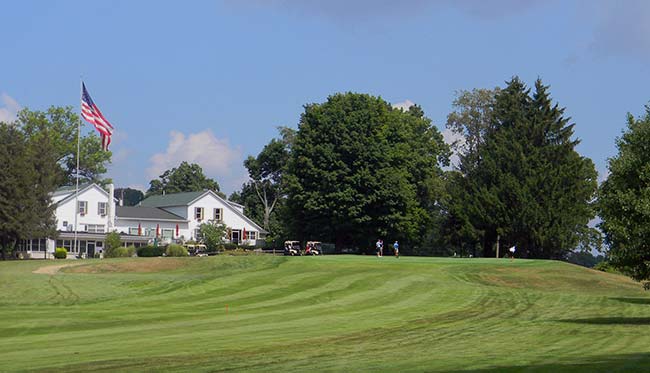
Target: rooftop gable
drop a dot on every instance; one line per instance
(85, 188)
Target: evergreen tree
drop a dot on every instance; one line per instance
(29, 176)
(529, 187)
(624, 199)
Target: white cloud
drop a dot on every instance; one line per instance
(456, 141)
(217, 157)
(603, 175)
(404, 105)
(10, 108)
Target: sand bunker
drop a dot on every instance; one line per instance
(53, 269)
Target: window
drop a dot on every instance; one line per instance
(82, 207)
(167, 233)
(133, 231)
(37, 245)
(65, 223)
(101, 208)
(95, 228)
(197, 234)
(252, 235)
(218, 215)
(198, 213)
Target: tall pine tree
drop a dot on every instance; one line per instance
(529, 187)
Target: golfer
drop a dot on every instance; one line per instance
(396, 249)
(378, 246)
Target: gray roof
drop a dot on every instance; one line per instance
(70, 188)
(145, 213)
(184, 199)
(173, 199)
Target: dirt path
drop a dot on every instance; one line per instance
(53, 269)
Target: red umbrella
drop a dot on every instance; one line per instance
(176, 230)
(244, 234)
(139, 230)
(157, 230)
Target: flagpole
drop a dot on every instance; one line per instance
(76, 193)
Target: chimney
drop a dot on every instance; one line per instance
(111, 207)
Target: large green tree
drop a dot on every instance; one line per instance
(624, 200)
(360, 169)
(471, 118)
(61, 124)
(266, 172)
(528, 186)
(129, 196)
(28, 178)
(184, 178)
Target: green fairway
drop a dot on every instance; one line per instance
(333, 313)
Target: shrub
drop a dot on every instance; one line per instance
(60, 253)
(213, 235)
(113, 243)
(150, 251)
(124, 252)
(176, 250)
(606, 266)
(229, 246)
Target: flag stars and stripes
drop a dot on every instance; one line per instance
(91, 113)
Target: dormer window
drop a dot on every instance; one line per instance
(101, 208)
(82, 207)
(198, 213)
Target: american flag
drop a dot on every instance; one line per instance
(91, 113)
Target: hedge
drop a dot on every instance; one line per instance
(150, 251)
(176, 250)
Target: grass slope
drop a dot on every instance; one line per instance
(334, 313)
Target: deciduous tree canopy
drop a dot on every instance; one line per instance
(360, 169)
(130, 197)
(184, 178)
(624, 200)
(61, 124)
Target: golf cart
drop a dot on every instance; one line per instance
(313, 248)
(292, 248)
(196, 250)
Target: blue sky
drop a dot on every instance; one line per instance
(209, 81)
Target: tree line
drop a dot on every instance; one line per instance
(356, 169)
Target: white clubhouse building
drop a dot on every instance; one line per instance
(162, 218)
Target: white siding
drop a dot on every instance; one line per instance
(180, 211)
(66, 211)
(230, 218)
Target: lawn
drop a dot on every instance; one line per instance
(332, 313)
